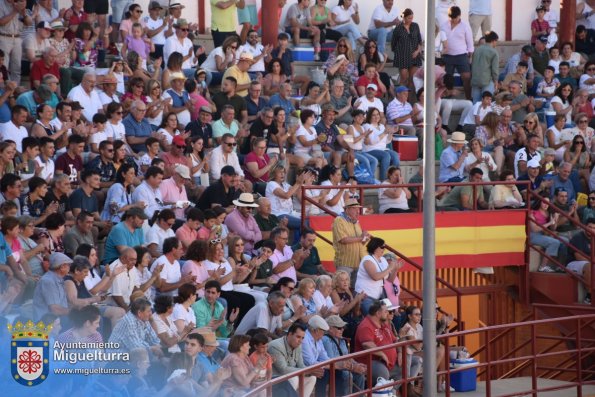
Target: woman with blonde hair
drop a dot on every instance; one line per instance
(350, 312)
(343, 48)
(304, 296)
(489, 138)
(531, 125)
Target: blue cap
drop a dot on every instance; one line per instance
(401, 88)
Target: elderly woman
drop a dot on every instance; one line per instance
(554, 137)
(372, 271)
(350, 311)
(52, 237)
(85, 322)
(574, 59)
(505, 196)
(304, 296)
(135, 92)
(322, 295)
(394, 200)
(32, 252)
(582, 128)
(243, 372)
(478, 158)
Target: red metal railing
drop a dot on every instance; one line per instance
(533, 357)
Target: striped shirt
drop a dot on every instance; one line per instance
(397, 109)
(349, 255)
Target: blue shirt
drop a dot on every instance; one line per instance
(313, 351)
(120, 235)
(558, 183)
(136, 129)
(208, 364)
(27, 100)
(254, 108)
(447, 159)
(4, 110)
(286, 104)
(286, 60)
(48, 291)
(480, 7)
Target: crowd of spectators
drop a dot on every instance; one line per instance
(150, 192)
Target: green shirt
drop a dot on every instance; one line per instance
(266, 225)
(485, 66)
(453, 199)
(311, 263)
(204, 314)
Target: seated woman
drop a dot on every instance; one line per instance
(243, 372)
(322, 295)
(220, 59)
(314, 97)
(304, 297)
(307, 144)
(491, 141)
(161, 229)
(274, 78)
(85, 322)
(280, 136)
(182, 314)
(505, 196)
(146, 278)
(32, 251)
(244, 266)
(195, 266)
(119, 195)
(531, 125)
(413, 330)
(350, 312)
(372, 271)
(291, 314)
(478, 158)
(376, 144)
(541, 216)
(371, 55)
(281, 193)
(258, 163)
(394, 200)
(261, 276)
(335, 198)
(580, 158)
(221, 270)
(164, 327)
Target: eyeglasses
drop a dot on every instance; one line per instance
(583, 121)
(591, 198)
(215, 241)
(230, 144)
(109, 150)
(341, 45)
(184, 29)
(590, 69)
(529, 122)
(156, 87)
(234, 47)
(138, 85)
(180, 146)
(580, 142)
(118, 112)
(141, 110)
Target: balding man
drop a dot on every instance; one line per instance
(137, 126)
(46, 65)
(265, 220)
(283, 99)
(85, 94)
(126, 278)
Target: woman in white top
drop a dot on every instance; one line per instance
(575, 59)
(554, 137)
(562, 102)
(155, 105)
(280, 193)
(335, 199)
(161, 229)
(372, 271)
(477, 158)
(394, 200)
(376, 143)
(355, 137)
(114, 128)
(168, 129)
(200, 161)
(587, 80)
(345, 18)
(220, 59)
(221, 270)
(314, 96)
(183, 315)
(318, 195)
(307, 144)
(163, 325)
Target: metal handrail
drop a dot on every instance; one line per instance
(489, 364)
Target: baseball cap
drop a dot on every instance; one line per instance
(57, 259)
(335, 321)
(154, 5)
(183, 171)
(43, 25)
(543, 38)
(533, 163)
(228, 170)
(206, 109)
(401, 88)
(179, 140)
(137, 212)
(372, 86)
(318, 322)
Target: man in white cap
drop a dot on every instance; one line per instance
(314, 353)
(49, 295)
(369, 100)
(538, 183)
(241, 221)
(452, 159)
(239, 71)
(173, 190)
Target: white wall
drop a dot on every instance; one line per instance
(523, 12)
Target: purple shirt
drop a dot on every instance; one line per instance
(279, 257)
(460, 39)
(246, 228)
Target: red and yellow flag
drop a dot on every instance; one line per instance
(463, 239)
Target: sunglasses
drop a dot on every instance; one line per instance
(215, 241)
(180, 147)
(234, 47)
(341, 46)
(119, 112)
(109, 150)
(580, 142)
(583, 121)
(591, 198)
(231, 144)
(591, 69)
(184, 29)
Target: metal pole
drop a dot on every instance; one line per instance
(429, 187)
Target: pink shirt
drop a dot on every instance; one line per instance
(246, 228)
(184, 233)
(200, 101)
(203, 233)
(261, 162)
(279, 257)
(198, 270)
(170, 192)
(460, 39)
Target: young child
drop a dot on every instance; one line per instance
(548, 164)
(196, 98)
(122, 71)
(520, 75)
(152, 145)
(539, 26)
(207, 231)
(547, 87)
(259, 344)
(99, 121)
(555, 59)
(139, 44)
(503, 101)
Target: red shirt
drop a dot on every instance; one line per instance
(368, 332)
(73, 18)
(39, 69)
(363, 81)
(261, 162)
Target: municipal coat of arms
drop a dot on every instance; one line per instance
(29, 352)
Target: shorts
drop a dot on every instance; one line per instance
(458, 62)
(118, 9)
(304, 34)
(248, 15)
(99, 7)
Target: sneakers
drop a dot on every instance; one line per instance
(549, 269)
(317, 56)
(442, 388)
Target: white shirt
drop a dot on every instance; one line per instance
(521, 155)
(320, 301)
(385, 202)
(218, 161)
(98, 137)
(90, 102)
(152, 24)
(115, 131)
(256, 51)
(210, 266)
(10, 131)
(157, 119)
(173, 44)
(151, 197)
(210, 64)
(170, 273)
(309, 135)
(184, 116)
(364, 283)
(380, 14)
(124, 283)
(259, 316)
(169, 328)
(156, 235)
(106, 99)
(332, 193)
(477, 110)
(279, 206)
(557, 99)
(47, 169)
(365, 104)
(376, 143)
(180, 313)
(342, 15)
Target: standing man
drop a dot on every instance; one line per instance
(485, 67)
(13, 18)
(224, 19)
(349, 239)
(480, 15)
(460, 47)
(384, 18)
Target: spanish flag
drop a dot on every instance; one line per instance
(463, 239)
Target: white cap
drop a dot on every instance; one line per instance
(372, 86)
(533, 163)
(389, 305)
(318, 322)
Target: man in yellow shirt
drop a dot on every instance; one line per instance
(348, 238)
(224, 19)
(239, 71)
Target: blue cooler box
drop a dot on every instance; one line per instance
(303, 53)
(464, 380)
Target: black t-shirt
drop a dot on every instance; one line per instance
(215, 194)
(63, 203)
(220, 99)
(205, 131)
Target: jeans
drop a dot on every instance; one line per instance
(119, 7)
(367, 161)
(350, 31)
(477, 91)
(381, 36)
(386, 158)
(341, 383)
(550, 244)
